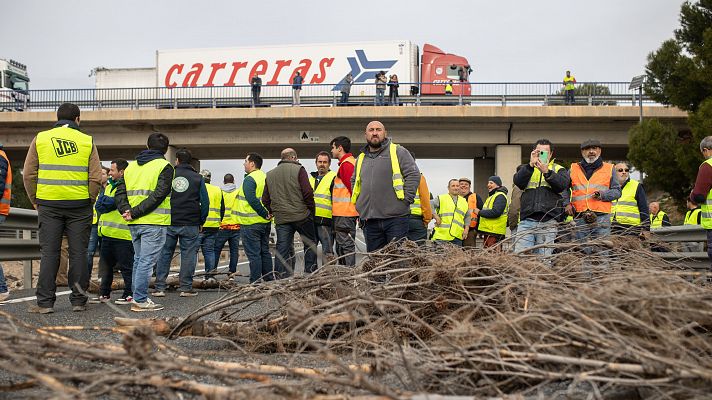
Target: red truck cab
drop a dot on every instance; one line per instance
(439, 67)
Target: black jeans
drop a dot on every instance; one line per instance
(115, 252)
(53, 223)
(417, 232)
(285, 242)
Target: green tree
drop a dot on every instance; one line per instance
(585, 90)
(668, 159)
(19, 196)
(680, 72)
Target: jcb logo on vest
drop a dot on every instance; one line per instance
(64, 147)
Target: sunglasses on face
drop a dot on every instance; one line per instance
(623, 170)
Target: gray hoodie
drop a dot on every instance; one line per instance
(229, 187)
(378, 199)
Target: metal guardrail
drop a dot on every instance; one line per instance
(481, 93)
(23, 247)
(673, 235)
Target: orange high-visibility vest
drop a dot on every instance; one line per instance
(583, 189)
(341, 205)
(7, 193)
(472, 205)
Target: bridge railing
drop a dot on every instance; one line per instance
(410, 94)
(18, 239)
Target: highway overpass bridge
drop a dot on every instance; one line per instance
(495, 138)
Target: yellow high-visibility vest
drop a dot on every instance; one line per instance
(496, 225)
(215, 197)
(63, 155)
(452, 218)
(112, 224)
(656, 221)
(569, 82)
(707, 206)
(396, 175)
(415, 208)
(625, 210)
(322, 194)
(691, 216)
(141, 181)
(230, 199)
(245, 214)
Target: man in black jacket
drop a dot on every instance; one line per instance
(189, 209)
(541, 204)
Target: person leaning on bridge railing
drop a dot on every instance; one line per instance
(5, 196)
(62, 177)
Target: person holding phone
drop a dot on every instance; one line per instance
(542, 181)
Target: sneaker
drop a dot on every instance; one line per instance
(40, 310)
(4, 296)
(124, 300)
(189, 293)
(79, 308)
(159, 293)
(148, 305)
(97, 300)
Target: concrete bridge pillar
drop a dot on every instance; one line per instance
(483, 169)
(507, 158)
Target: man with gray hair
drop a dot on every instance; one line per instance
(288, 196)
(702, 192)
(629, 213)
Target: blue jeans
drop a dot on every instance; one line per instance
(188, 236)
(709, 246)
(231, 236)
(595, 231)
(148, 241)
(207, 246)
(255, 240)
(531, 233)
(3, 282)
(344, 99)
(285, 243)
(379, 232)
(379, 96)
(94, 242)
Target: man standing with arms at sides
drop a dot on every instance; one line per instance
(542, 181)
(5, 198)
(62, 177)
(256, 85)
(254, 219)
(116, 246)
(322, 181)
(420, 212)
(629, 213)
(569, 88)
(346, 89)
(216, 213)
(144, 200)
(384, 187)
(343, 211)
(229, 228)
(474, 202)
(452, 219)
(289, 197)
(297, 88)
(702, 193)
(189, 210)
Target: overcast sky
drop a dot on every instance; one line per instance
(523, 40)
